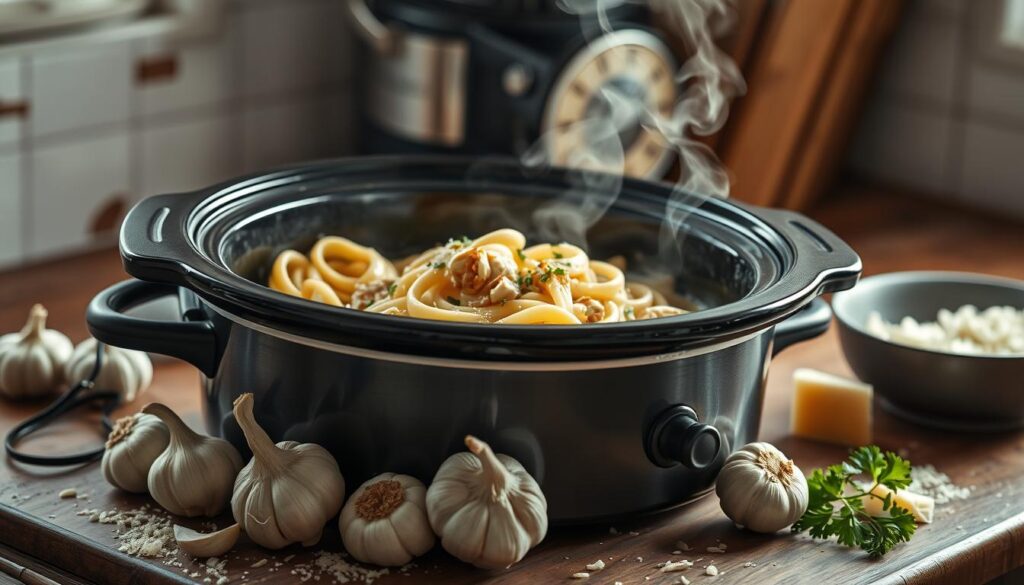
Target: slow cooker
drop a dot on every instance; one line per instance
(611, 419)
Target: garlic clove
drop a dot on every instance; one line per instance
(132, 446)
(195, 474)
(288, 491)
(761, 489)
(205, 545)
(385, 521)
(127, 371)
(487, 509)
(32, 360)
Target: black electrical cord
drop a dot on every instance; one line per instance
(108, 400)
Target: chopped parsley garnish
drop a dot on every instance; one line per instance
(437, 265)
(519, 252)
(454, 301)
(559, 255)
(628, 311)
(391, 289)
(560, 271)
(836, 503)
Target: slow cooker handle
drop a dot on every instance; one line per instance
(193, 340)
(807, 323)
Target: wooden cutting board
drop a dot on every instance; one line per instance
(971, 540)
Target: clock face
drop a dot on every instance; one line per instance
(606, 97)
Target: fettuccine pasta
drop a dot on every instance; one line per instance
(495, 278)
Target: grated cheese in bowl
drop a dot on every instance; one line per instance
(968, 331)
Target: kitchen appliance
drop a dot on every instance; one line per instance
(611, 419)
(933, 388)
(495, 77)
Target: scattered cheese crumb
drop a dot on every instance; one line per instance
(581, 575)
(749, 564)
(677, 552)
(684, 580)
(711, 571)
(258, 563)
(596, 565)
(639, 559)
(931, 482)
(674, 566)
(67, 493)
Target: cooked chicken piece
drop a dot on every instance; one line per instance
(505, 290)
(588, 309)
(476, 272)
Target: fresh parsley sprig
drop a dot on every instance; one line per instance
(836, 507)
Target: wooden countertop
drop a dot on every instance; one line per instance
(971, 540)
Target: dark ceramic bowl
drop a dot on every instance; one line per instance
(939, 389)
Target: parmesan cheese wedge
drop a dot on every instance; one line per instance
(830, 408)
(921, 506)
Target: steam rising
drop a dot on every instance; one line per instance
(709, 80)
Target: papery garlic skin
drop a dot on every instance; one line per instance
(385, 521)
(486, 508)
(132, 446)
(206, 545)
(126, 371)
(32, 360)
(288, 491)
(762, 490)
(195, 473)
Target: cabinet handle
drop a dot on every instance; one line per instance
(155, 69)
(13, 109)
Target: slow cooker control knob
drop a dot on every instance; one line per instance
(678, 437)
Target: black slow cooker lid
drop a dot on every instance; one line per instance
(187, 240)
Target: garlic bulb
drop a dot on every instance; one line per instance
(385, 521)
(32, 360)
(210, 544)
(760, 489)
(288, 491)
(127, 371)
(486, 508)
(194, 474)
(132, 447)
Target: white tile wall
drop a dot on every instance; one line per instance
(10, 208)
(11, 90)
(992, 172)
(187, 155)
(295, 128)
(920, 60)
(81, 89)
(996, 91)
(294, 46)
(904, 145)
(71, 182)
(946, 116)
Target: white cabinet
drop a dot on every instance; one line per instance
(174, 75)
(187, 155)
(87, 87)
(293, 46)
(76, 187)
(10, 208)
(13, 104)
